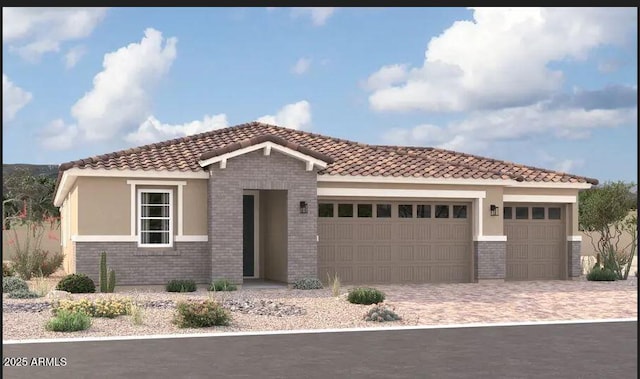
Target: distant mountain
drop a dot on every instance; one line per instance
(35, 169)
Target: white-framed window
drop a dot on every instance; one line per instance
(155, 218)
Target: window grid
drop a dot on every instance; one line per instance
(146, 231)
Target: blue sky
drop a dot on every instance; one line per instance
(554, 88)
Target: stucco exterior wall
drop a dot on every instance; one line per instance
(195, 208)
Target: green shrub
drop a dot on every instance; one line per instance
(111, 285)
(381, 313)
(222, 285)
(102, 277)
(200, 314)
(76, 283)
(36, 262)
(66, 321)
(181, 286)
(307, 284)
(365, 295)
(13, 283)
(7, 270)
(105, 307)
(23, 294)
(599, 274)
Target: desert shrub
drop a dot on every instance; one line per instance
(106, 307)
(36, 262)
(7, 270)
(599, 274)
(365, 295)
(307, 284)
(222, 285)
(41, 286)
(335, 284)
(13, 283)
(181, 286)
(66, 321)
(381, 313)
(23, 294)
(137, 314)
(47, 263)
(76, 283)
(201, 314)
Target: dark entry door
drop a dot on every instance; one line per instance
(248, 235)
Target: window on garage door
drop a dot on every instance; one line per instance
(532, 213)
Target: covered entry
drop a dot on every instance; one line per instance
(536, 241)
(377, 241)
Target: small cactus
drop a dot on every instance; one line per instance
(112, 281)
(104, 286)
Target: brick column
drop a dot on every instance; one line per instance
(574, 263)
(490, 260)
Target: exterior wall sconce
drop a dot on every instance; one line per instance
(494, 209)
(303, 207)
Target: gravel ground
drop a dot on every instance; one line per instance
(285, 309)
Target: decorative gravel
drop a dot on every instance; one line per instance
(286, 309)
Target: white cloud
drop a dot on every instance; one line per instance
(294, 116)
(32, 32)
(387, 76)
(500, 59)
(482, 128)
(14, 98)
(559, 164)
(120, 99)
(58, 136)
(301, 66)
(152, 130)
(318, 15)
(73, 55)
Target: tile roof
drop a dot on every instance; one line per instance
(264, 138)
(348, 158)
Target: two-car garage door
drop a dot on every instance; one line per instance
(394, 242)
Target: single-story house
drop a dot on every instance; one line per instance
(262, 201)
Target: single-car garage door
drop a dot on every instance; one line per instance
(394, 242)
(536, 241)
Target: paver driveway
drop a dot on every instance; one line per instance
(515, 301)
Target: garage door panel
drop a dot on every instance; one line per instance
(449, 273)
(328, 231)
(391, 250)
(344, 253)
(406, 253)
(517, 271)
(535, 247)
(326, 254)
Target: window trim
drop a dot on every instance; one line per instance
(139, 216)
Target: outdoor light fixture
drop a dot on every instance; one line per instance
(494, 210)
(303, 207)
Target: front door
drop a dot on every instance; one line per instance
(248, 235)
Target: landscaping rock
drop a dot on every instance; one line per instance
(30, 307)
(263, 308)
(58, 294)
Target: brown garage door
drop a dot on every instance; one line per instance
(535, 241)
(394, 242)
